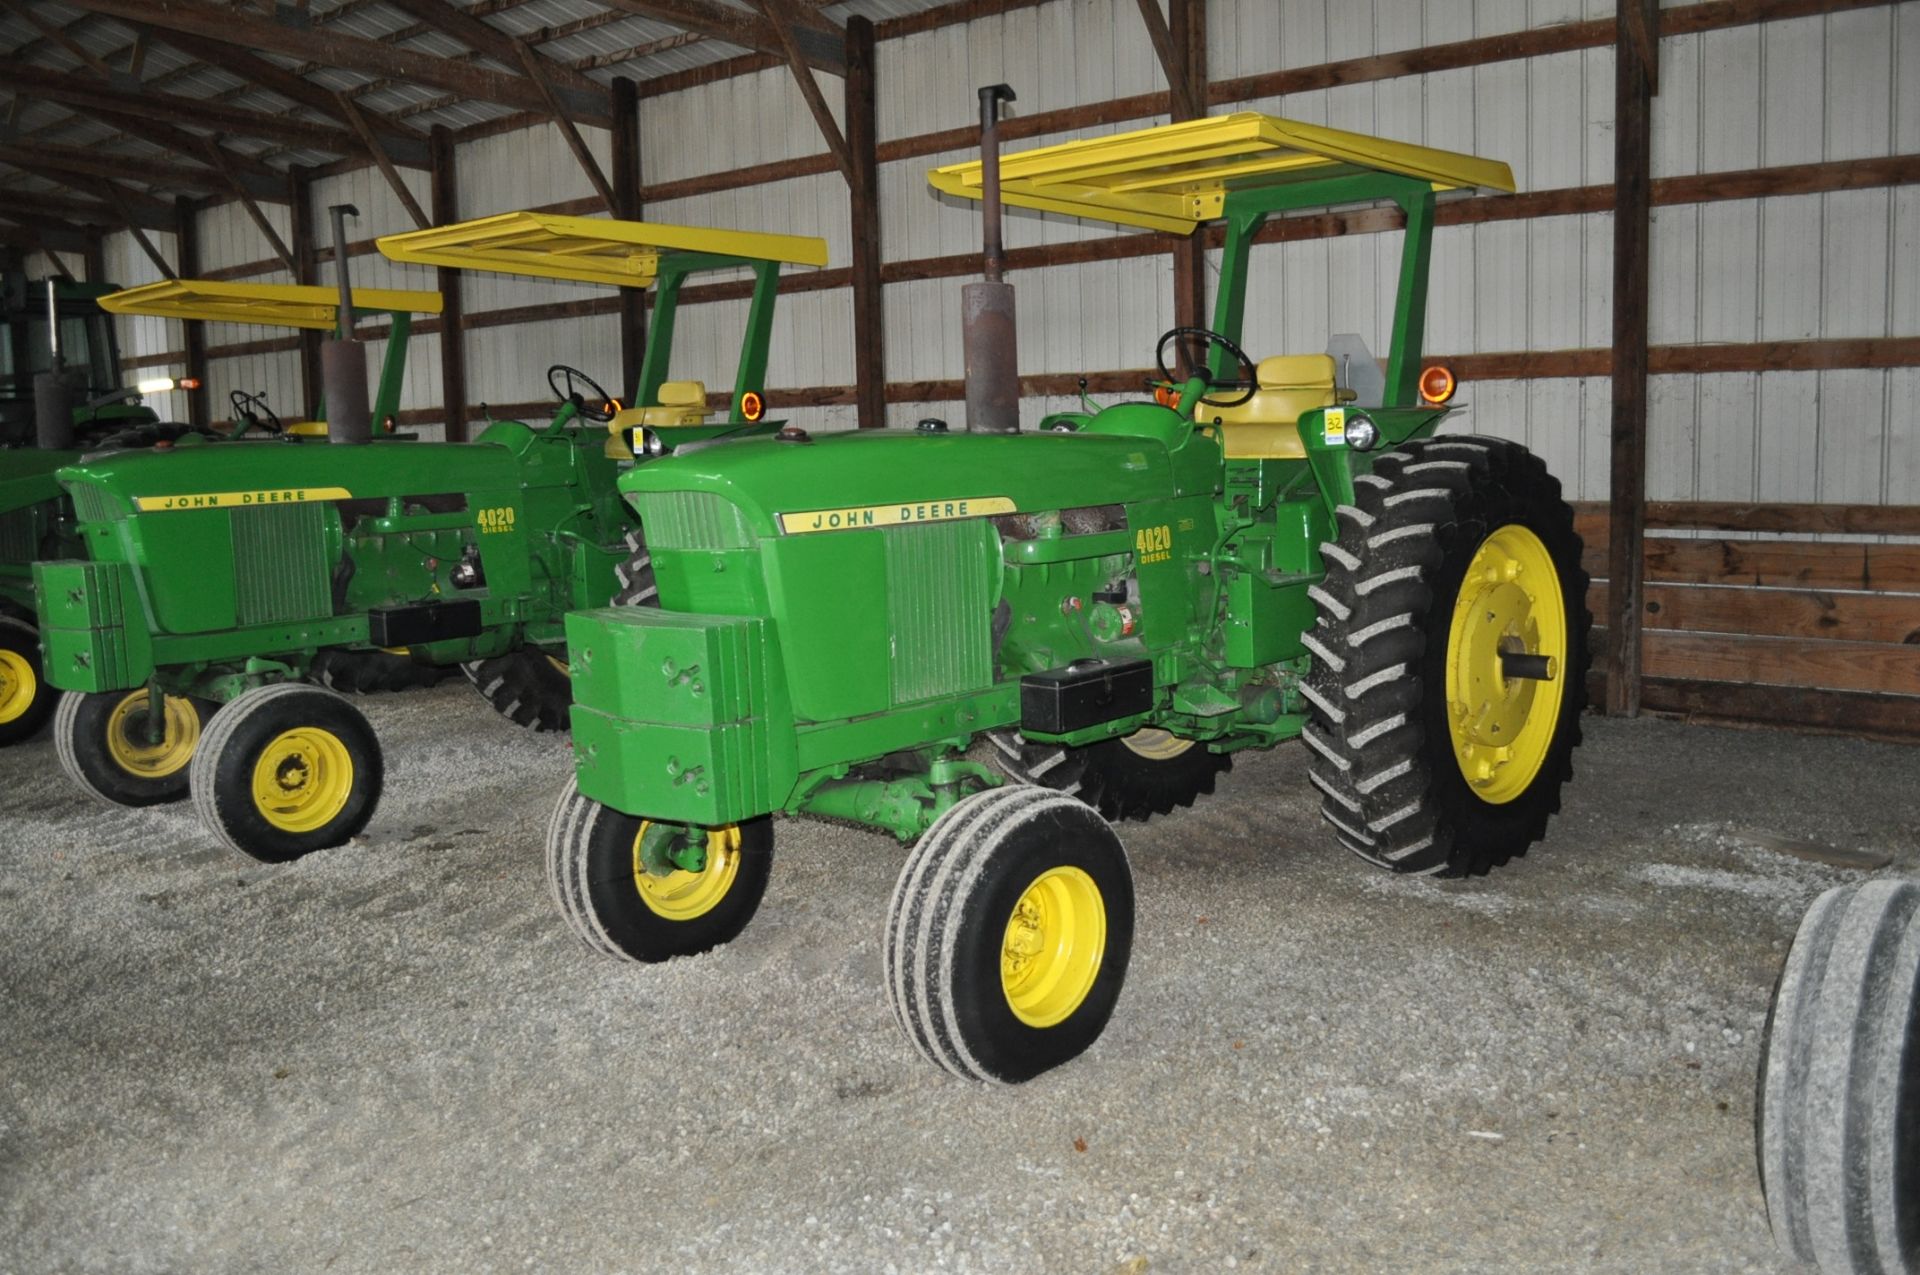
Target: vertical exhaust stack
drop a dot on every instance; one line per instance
(53, 388)
(993, 372)
(343, 360)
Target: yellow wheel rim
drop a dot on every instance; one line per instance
(303, 779)
(565, 669)
(682, 895)
(1511, 602)
(1052, 949)
(127, 743)
(18, 685)
(1155, 744)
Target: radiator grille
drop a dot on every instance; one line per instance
(938, 609)
(91, 504)
(280, 563)
(18, 535)
(693, 520)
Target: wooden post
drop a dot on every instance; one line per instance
(869, 339)
(1633, 83)
(187, 251)
(97, 262)
(1187, 27)
(445, 199)
(625, 154)
(300, 220)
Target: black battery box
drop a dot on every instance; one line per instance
(423, 622)
(1084, 693)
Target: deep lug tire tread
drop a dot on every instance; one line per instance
(1378, 747)
(1837, 1121)
(209, 774)
(960, 859)
(524, 687)
(634, 583)
(23, 639)
(1110, 777)
(354, 672)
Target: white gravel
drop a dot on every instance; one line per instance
(392, 1057)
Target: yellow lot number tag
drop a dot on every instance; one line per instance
(1153, 544)
(857, 517)
(238, 499)
(493, 521)
(1335, 419)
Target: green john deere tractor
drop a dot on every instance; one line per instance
(215, 576)
(1269, 551)
(44, 322)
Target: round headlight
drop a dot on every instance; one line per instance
(1362, 433)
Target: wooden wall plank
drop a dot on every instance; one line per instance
(1831, 614)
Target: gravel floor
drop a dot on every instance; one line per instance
(391, 1057)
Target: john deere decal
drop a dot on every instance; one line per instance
(236, 499)
(855, 517)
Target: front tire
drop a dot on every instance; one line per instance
(1150, 772)
(103, 744)
(1008, 934)
(26, 700)
(285, 770)
(1837, 1123)
(1456, 568)
(617, 908)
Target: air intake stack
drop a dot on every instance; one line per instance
(343, 360)
(993, 371)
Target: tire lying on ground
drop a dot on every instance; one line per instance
(1008, 934)
(617, 907)
(1449, 658)
(107, 743)
(1837, 1121)
(26, 700)
(285, 770)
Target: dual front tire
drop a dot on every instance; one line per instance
(26, 701)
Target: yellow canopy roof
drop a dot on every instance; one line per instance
(1177, 176)
(283, 305)
(625, 254)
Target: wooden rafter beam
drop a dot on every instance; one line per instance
(47, 239)
(138, 210)
(580, 93)
(351, 110)
(1173, 61)
(405, 143)
(58, 35)
(575, 142)
(291, 38)
(113, 195)
(820, 43)
(779, 15)
(42, 156)
(217, 154)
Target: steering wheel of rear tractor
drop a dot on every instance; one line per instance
(251, 408)
(596, 406)
(1193, 346)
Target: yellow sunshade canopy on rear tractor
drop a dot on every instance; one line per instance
(626, 254)
(1178, 176)
(280, 305)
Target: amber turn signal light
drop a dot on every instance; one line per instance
(752, 406)
(1436, 384)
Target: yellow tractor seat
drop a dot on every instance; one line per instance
(681, 403)
(1262, 428)
(308, 429)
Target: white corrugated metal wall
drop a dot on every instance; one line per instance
(1843, 264)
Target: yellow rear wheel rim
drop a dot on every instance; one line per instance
(560, 666)
(303, 779)
(18, 686)
(682, 895)
(1510, 601)
(1054, 942)
(129, 748)
(1155, 744)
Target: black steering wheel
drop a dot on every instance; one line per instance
(562, 379)
(1194, 345)
(250, 408)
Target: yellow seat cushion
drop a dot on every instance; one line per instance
(1262, 428)
(681, 403)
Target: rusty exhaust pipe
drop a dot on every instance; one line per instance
(343, 360)
(993, 372)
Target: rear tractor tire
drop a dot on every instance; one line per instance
(1008, 934)
(1150, 772)
(354, 672)
(1837, 1122)
(528, 687)
(617, 908)
(106, 745)
(285, 770)
(26, 700)
(1449, 658)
